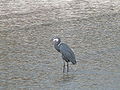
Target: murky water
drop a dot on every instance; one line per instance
(28, 60)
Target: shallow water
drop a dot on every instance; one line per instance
(28, 60)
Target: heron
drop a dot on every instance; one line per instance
(67, 53)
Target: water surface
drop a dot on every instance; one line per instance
(28, 60)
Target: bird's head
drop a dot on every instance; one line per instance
(56, 40)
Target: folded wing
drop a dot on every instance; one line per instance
(67, 54)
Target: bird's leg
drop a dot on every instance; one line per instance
(67, 67)
(64, 67)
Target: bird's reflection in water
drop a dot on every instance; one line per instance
(66, 78)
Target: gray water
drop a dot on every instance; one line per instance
(28, 60)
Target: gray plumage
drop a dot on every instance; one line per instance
(67, 54)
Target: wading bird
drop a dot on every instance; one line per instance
(67, 54)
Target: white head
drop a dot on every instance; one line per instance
(56, 40)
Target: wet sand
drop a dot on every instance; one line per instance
(28, 60)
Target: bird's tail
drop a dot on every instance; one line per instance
(74, 62)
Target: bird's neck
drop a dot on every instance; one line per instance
(57, 47)
(59, 44)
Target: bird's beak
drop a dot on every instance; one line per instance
(51, 40)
